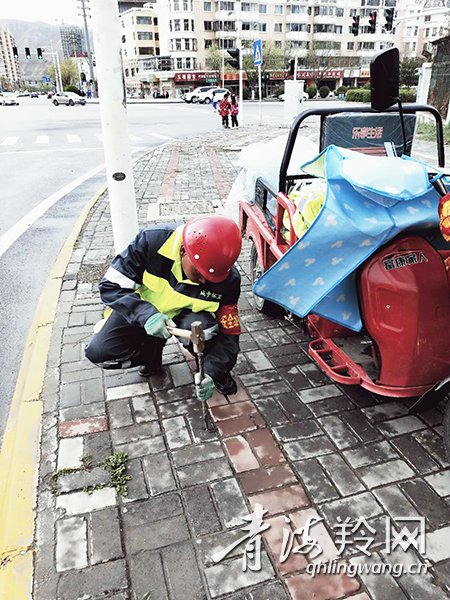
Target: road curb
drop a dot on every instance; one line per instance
(19, 457)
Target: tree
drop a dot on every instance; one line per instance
(69, 73)
(319, 60)
(213, 60)
(274, 59)
(408, 71)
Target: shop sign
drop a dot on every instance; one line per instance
(195, 76)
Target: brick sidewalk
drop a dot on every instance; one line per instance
(289, 440)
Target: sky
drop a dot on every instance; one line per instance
(49, 11)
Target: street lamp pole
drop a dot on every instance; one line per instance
(88, 46)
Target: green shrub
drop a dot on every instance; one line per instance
(73, 88)
(342, 89)
(357, 95)
(427, 131)
(279, 91)
(247, 94)
(312, 91)
(367, 86)
(324, 91)
(407, 95)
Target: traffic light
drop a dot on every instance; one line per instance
(355, 25)
(389, 16)
(15, 52)
(372, 21)
(291, 66)
(39, 54)
(27, 54)
(234, 61)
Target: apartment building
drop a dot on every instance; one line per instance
(419, 23)
(189, 29)
(10, 73)
(72, 41)
(140, 42)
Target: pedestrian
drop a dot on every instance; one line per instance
(234, 111)
(214, 101)
(224, 109)
(173, 275)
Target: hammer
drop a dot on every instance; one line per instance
(197, 337)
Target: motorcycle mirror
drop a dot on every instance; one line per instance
(384, 79)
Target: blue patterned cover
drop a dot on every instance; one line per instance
(369, 200)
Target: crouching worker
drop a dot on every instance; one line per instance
(173, 275)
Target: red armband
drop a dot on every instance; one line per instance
(228, 318)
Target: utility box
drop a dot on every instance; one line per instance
(293, 97)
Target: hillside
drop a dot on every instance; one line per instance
(34, 35)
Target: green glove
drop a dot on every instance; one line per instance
(203, 388)
(156, 326)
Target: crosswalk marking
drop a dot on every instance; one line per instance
(135, 138)
(10, 141)
(43, 139)
(73, 138)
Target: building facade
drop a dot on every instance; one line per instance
(72, 41)
(10, 73)
(320, 33)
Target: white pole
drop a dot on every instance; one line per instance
(223, 69)
(58, 72)
(107, 36)
(241, 88)
(260, 94)
(295, 69)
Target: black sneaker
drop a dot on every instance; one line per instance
(226, 386)
(150, 370)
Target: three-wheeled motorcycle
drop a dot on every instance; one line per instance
(403, 349)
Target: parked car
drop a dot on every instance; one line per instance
(69, 98)
(305, 97)
(206, 97)
(192, 97)
(8, 99)
(23, 94)
(34, 95)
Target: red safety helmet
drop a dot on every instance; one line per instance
(213, 245)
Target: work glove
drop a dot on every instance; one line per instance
(204, 388)
(156, 326)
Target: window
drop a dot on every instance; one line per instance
(188, 63)
(278, 27)
(177, 44)
(156, 37)
(339, 12)
(176, 5)
(155, 21)
(208, 25)
(245, 7)
(208, 44)
(297, 27)
(353, 12)
(207, 6)
(324, 10)
(228, 44)
(179, 64)
(263, 8)
(145, 35)
(434, 32)
(350, 45)
(226, 5)
(186, 24)
(132, 72)
(428, 18)
(127, 73)
(277, 44)
(185, 4)
(279, 9)
(143, 20)
(176, 24)
(298, 10)
(123, 39)
(187, 44)
(262, 27)
(146, 51)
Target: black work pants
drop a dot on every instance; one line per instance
(225, 121)
(234, 121)
(119, 345)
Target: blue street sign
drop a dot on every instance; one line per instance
(257, 53)
(45, 79)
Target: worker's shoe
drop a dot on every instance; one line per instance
(150, 370)
(226, 385)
